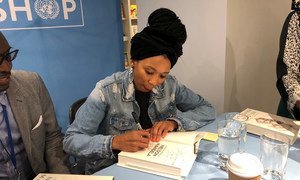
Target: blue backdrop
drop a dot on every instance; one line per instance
(72, 44)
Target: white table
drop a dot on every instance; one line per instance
(205, 166)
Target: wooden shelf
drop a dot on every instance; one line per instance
(129, 27)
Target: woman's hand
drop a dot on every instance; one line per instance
(160, 129)
(131, 141)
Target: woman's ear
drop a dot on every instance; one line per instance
(132, 63)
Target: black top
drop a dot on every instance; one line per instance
(143, 101)
(281, 70)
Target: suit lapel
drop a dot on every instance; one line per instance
(18, 106)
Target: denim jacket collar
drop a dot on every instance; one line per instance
(128, 88)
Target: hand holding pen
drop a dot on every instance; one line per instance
(132, 141)
(136, 119)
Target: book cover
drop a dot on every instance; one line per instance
(172, 157)
(122, 11)
(134, 29)
(48, 176)
(133, 11)
(259, 122)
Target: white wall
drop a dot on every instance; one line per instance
(252, 44)
(247, 31)
(201, 67)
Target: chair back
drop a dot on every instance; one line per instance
(74, 107)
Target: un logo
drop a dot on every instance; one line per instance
(46, 9)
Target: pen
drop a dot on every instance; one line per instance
(136, 119)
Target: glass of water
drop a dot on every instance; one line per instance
(229, 133)
(243, 126)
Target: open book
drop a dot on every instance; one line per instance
(172, 157)
(259, 122)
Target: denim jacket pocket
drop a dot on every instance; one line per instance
(168, 111)
(122, 123)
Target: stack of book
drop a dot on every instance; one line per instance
(259, 122)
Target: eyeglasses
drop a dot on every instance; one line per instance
(9, 56)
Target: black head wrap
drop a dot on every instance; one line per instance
(4, 45)
(165, 34)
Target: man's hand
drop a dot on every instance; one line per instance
(131, 141)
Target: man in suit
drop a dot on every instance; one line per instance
(27, 123)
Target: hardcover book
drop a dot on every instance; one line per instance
(259, 122)
(133, 11)
(171, 157)
(49, 176)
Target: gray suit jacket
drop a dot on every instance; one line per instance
(34, 113)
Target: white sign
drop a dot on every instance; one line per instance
(40, 14)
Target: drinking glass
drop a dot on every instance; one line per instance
(242, 119)
(274, 149)
(229, 132)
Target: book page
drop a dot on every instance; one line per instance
(160, 158)
(186, 137)
(164, 157)
(164, 152)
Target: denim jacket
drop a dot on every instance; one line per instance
(108, 112)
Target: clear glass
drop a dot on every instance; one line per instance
(229, 132)
(274, 149)
(242, 119)
(230, 115)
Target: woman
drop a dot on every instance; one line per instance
(146, 95)
(288, 62)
